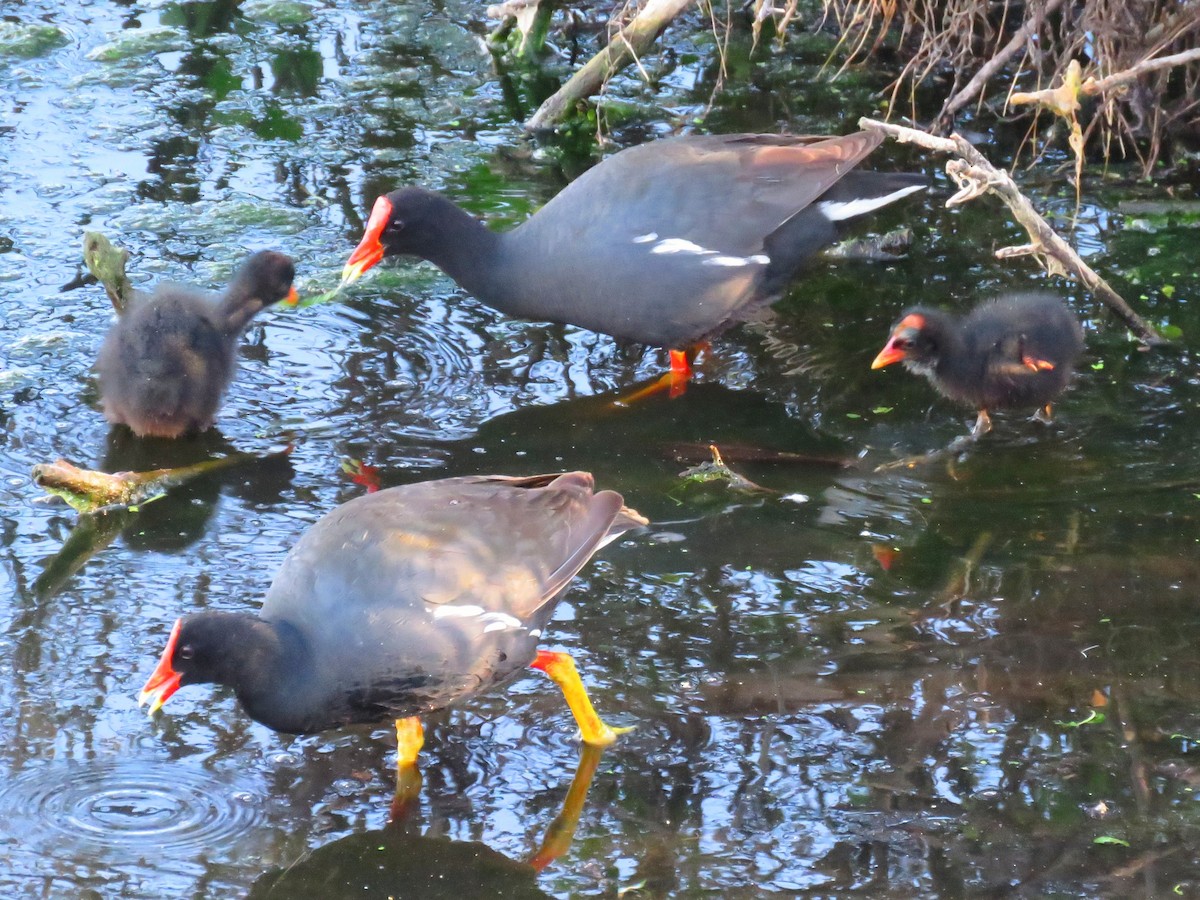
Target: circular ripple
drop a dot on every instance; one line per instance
(126, 805)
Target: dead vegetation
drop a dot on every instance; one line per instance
(1134, 90)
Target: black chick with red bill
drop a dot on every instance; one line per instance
(1017, 351)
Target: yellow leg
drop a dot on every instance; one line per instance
(561, 669)
(562, 830)
(410, 737)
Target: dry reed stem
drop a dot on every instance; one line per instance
(1151, 48)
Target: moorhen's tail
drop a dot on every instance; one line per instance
(625, 520)
(859, 193)
(815, 227)
(607, 518)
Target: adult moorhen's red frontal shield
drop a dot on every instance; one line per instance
(667, 243)
(404, 601)
(1014, 352)
(167, 361)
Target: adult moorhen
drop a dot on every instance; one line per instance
(1016, 351)
(404, 601)
(167, 361)
(667, 243)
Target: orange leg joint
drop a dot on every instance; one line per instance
(675, 381)
(1033, 364)
(561, 669)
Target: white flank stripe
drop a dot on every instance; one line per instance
(836, 211)
(457, 612)
(679, 245)
(758, 260)
(501, 620)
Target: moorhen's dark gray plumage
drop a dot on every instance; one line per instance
(166, 363)
(667, 243)
(401, 602)
(1014, 352)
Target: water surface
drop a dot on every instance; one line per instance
(953, 680)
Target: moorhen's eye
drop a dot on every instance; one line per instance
(186, 652)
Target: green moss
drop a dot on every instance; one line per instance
(278, 12)
(142, 42)
(28, 41)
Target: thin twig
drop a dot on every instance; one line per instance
(1108, 82)
(995, 64)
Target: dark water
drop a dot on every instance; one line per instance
(1010, 705)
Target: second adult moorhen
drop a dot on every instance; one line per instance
(166, 363)
(667, 243)
(404, 601)
(1014, 352)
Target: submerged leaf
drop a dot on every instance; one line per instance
(716, 470)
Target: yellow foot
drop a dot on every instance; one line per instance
(674, 382)
(410, 738)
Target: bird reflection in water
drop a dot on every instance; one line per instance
(396, 862)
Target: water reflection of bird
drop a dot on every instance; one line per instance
(404, 601)
(668, 243)
(395, 863)
(392, 864)
(1015, 352)
(169, 358)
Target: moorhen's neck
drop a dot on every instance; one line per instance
(241, 302)
(257, 658)
(458, 244)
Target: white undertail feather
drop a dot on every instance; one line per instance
(838, 210)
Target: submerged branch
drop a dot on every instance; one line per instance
(975, 176)
(627, 45)
(717, 470)
(89, 491)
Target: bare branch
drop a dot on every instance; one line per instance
(976, 176)
(1117, 79)
(975, 86)
(631, 41)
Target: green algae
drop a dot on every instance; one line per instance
(139, 43)
(28, 41)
